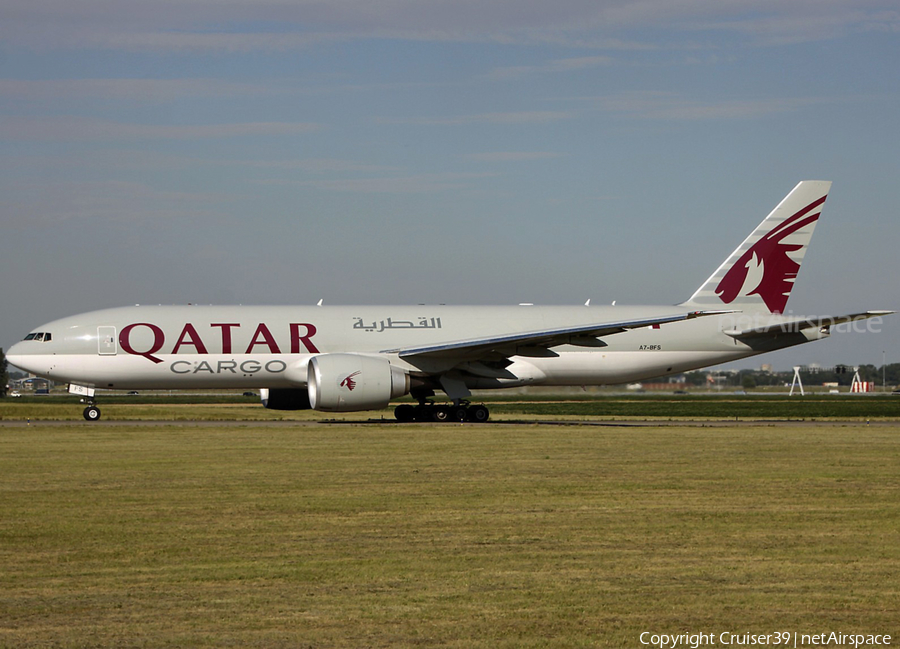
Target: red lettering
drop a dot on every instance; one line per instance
(189, 336)
(263, 331)
(297, 339)
(226, 334)
(159, 339)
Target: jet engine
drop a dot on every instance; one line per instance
(346, 382)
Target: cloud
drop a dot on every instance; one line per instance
(230, 42)
(414, 184)
(658, 105)
(69, 128)
(520, 117)
(144, 90)
(886, 22)
(113, 160)
(557, 66)
(159, 91)
(278, 26)
(803, 23)
(512, 156)
(736, 109)
(107, 200)
(315, 165)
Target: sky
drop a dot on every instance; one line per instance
(448, 151)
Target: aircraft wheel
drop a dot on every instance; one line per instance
(478, 413)
(423, 412)
(405, 412)
(440, 413)
(92, 413)
(459, 413)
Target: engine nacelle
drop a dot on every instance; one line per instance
(347, 382)
(285, 398)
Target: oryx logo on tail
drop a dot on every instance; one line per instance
(767, 269)
(760, 273)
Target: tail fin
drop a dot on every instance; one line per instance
(760, 274)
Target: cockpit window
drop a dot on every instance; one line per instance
(30, 336)
(42, 336)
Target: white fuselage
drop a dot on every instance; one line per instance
(173, 347)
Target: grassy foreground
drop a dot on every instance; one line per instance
(186, 407)
(453, 536)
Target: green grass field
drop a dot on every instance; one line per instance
(230, 407)
(366, 535)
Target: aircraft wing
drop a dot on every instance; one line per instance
(794, 326)
(513, 344)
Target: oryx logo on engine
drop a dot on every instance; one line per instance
(348, 382)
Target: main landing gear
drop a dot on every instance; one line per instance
(427, 411)
(92, 412)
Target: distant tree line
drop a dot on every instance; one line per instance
(840, 374)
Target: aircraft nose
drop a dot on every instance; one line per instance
(17, 356)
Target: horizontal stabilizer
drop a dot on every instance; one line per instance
(799, 324)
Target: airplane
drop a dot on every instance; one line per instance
(355, 358)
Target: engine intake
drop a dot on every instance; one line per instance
(348, 382)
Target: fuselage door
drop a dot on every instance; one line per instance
(106, 341)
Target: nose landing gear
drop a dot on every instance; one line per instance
(92, 413)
